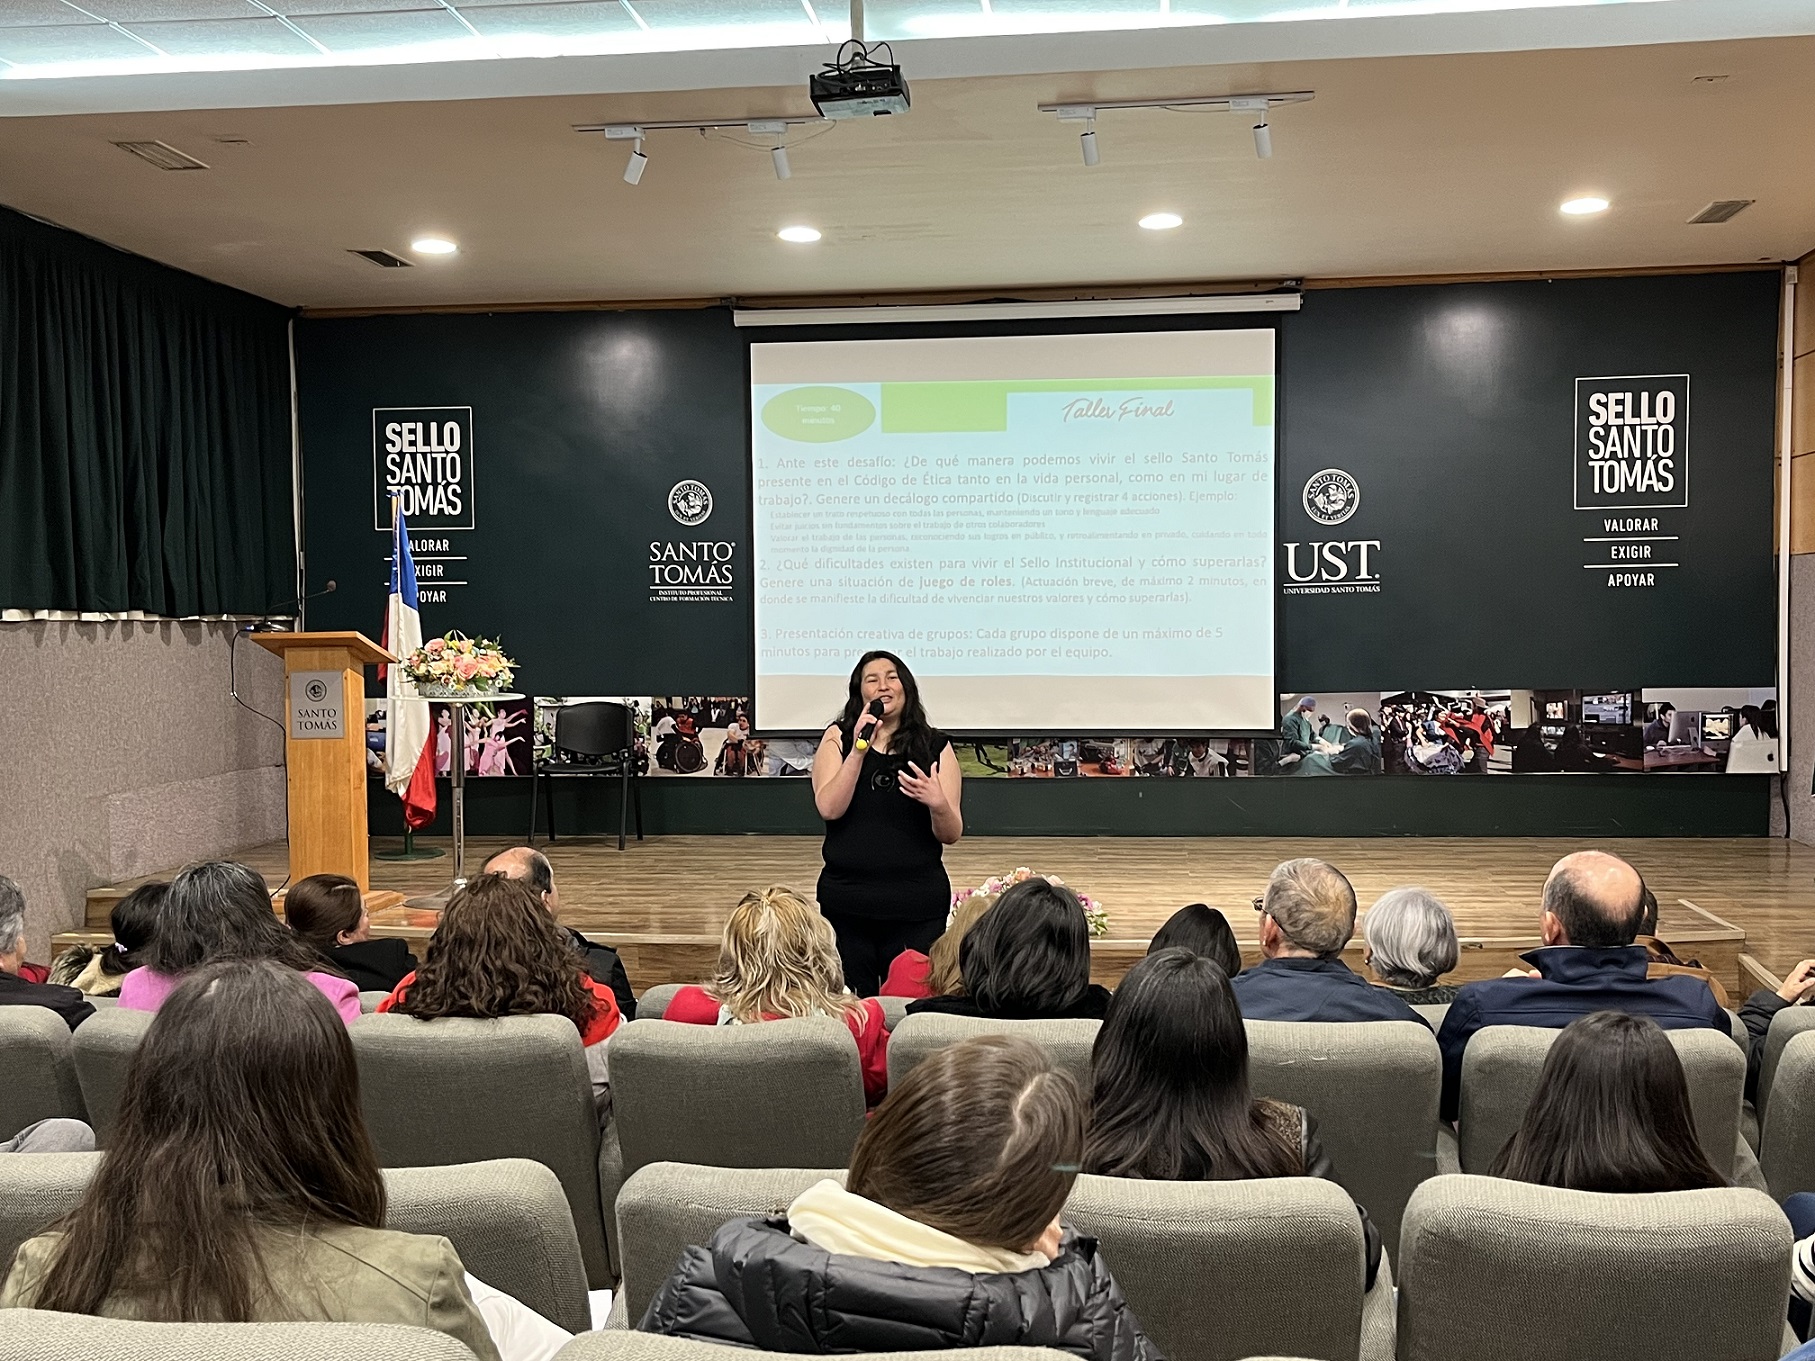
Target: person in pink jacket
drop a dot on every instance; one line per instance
(221, 911)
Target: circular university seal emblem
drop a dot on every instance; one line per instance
(690, 502)
(315, 691)
(1331, 496)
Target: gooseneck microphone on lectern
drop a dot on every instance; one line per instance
(875, 712)
(269, 625)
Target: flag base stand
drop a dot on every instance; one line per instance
(410, 850)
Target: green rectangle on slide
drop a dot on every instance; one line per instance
(982, 406)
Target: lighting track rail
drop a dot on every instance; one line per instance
(1254, 105)
(635, 133)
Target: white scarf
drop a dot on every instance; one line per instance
(833, 1219)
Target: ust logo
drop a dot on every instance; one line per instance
(1333, 567)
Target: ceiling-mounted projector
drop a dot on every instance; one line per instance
(857, 86)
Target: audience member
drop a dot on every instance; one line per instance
(1169, 1093)
(1663, 962)
(1411, 943)
(779, 958)
(1307, 916)
(1593, 903)
(946, 1233)
(1028, 958)
(97, 971)
(216, 912)
(1611, 1113)
(21, 992)
(241, 1186)
(329, 912)
(1202, 930)
(497, 952)
(935, 973)
(602, 962)
(1761, 1007)
(56, 1135)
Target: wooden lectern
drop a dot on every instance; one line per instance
(325, 749)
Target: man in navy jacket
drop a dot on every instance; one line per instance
(1307, 917)
(1593, 904)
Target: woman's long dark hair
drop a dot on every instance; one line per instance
(133, 919)
(497, 952)
(241, 1110)
(1611, 1113)
(1029, 955)
(915, 739)
(1202, 930)
(220, 911)
(321, 906)
(1169, 1082)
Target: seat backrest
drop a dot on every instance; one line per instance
(633, 1346)
(666, 1207)
(778, 1094)
(1786, 1148)
(38, 1335)
(35, 1191)
(368, 1001)
(460, 1091)
(38, 1061)
(919, 1036)
(894, 1011)
(1216, 1270)
(1486, 1266)
(1786, 1025)
(103, 1047)
(653, 1004)
(1373, 1088)
(595, 728)
(508, 1219)
(1500, 1071)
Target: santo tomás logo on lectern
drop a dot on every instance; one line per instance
(690, 502)
(1331, 496)
(315, 691)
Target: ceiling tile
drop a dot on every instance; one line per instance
(397, 28)
(154, 11)
(570, 20)
(295, 8)
(20, 13)
(68, 42)
(669, 14)
(226, 37)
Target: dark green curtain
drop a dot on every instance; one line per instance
(144, 434)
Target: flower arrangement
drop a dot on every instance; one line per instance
(454, 666)
(1096, 916)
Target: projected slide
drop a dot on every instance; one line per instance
(1055, 532)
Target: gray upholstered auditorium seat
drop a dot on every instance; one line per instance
(1786, 1148)
(38, 1062)
(1786, 1025)
(1374, 1089)
(36, 1190)
(35, 1335)
(894, 1010)
(104, 1046)
(1497, 1270)
(664, 1207)
(653, 1004)
(368, 1001)
(917, 1037)
(1216, 1269)
(508, 1219)
(1500, 1072)
(462, 1091)
(627, 1346)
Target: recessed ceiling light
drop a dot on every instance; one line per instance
(433, 245)
(1162, 222)
(1582, 207)
(799, 235)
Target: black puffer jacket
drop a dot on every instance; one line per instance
(758, 1286)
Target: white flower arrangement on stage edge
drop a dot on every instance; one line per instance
(1096, 916)
(455, 666)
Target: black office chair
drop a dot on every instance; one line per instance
(591, 739)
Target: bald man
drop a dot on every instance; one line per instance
(1593, 908)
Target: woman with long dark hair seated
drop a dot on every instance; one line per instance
(1027, 959)
(1202, 930)
(100, 970)
(945, 1234)
(1169, 1089)
(1611, 1113)
(935, 973)
(220, 912)
(329, 912)
(496, 952)
(241, 1186)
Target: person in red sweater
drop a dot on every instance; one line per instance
(497, 952)
(935, 973)
(779, 959)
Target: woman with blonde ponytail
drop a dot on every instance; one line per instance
(779, 960)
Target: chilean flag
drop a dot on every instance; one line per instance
(409, 739)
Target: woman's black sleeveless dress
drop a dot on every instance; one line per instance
(884, 887)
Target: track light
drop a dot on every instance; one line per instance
(779, 155)
(1088, 140)
(1263, 140)
(636, 165)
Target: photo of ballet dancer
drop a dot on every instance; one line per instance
(497, 737)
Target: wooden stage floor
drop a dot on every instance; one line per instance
(664, 899)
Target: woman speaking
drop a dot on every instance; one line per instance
(888, 786)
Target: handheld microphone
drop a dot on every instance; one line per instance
(268, 625)
(875, 712)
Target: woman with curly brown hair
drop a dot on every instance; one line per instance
(497, 953)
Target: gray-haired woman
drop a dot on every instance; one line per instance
(1411, 943)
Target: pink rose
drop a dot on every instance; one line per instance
(465, 668)
(433, 645)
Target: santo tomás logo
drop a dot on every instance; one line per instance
(1331, 496)
(690, 502)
